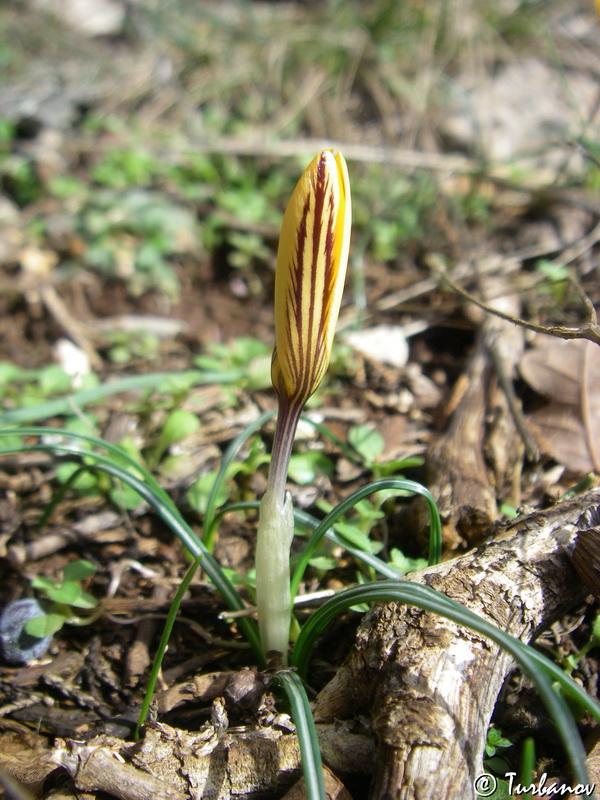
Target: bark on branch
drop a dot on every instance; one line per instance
(431, 685)
(172, 764)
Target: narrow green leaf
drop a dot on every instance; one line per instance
(162, 647)
(150, 491)
(208, 536)
(536, 666)
(401, 486)
(527, 770)
(312, 767)
(596, 628)
(169, 383)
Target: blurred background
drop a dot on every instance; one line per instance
(148, 147)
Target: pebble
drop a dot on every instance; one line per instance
(17, 646)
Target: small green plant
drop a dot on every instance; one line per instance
(495, 763)
(593, 641)
(19, 179)
(178, 424)
(125, 345)
(495, 742)
(29, 388)
(134, 234)
(249, 356)
(121, 168)
(66, 597)
(35, 395)
(557, 277)
(201, 495)
(368, 442)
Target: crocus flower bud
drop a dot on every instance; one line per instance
(309, 280)
(309, 277)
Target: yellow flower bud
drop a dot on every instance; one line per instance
(309, 278)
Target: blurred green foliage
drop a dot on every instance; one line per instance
(144, 199)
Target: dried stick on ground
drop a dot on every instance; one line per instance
(430, 685)
(458, 474)
(172, 764)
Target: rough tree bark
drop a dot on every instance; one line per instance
(172, 764)
(430, 685)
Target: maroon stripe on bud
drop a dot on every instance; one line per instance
(309, 313)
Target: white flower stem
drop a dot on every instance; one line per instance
(274, 540)
(275, 534)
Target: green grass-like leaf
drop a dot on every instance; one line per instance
(162, 647)
(312, 767)
(166, 381)
(401, 486)
(149, 490)
(210, 529)
(304, 518)
(536, 666)
(115, 462)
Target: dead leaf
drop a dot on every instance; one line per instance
(586, 560)
(561, 434)
(334, 788)
(568, 374)
(25, 758)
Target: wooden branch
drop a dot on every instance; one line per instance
(172, 764)
(431, 685)
(457, 474)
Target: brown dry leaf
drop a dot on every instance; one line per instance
(586, 560)
(334, 788)
(561, 434)
(25, 759)
(568, 374)
(556, 368)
